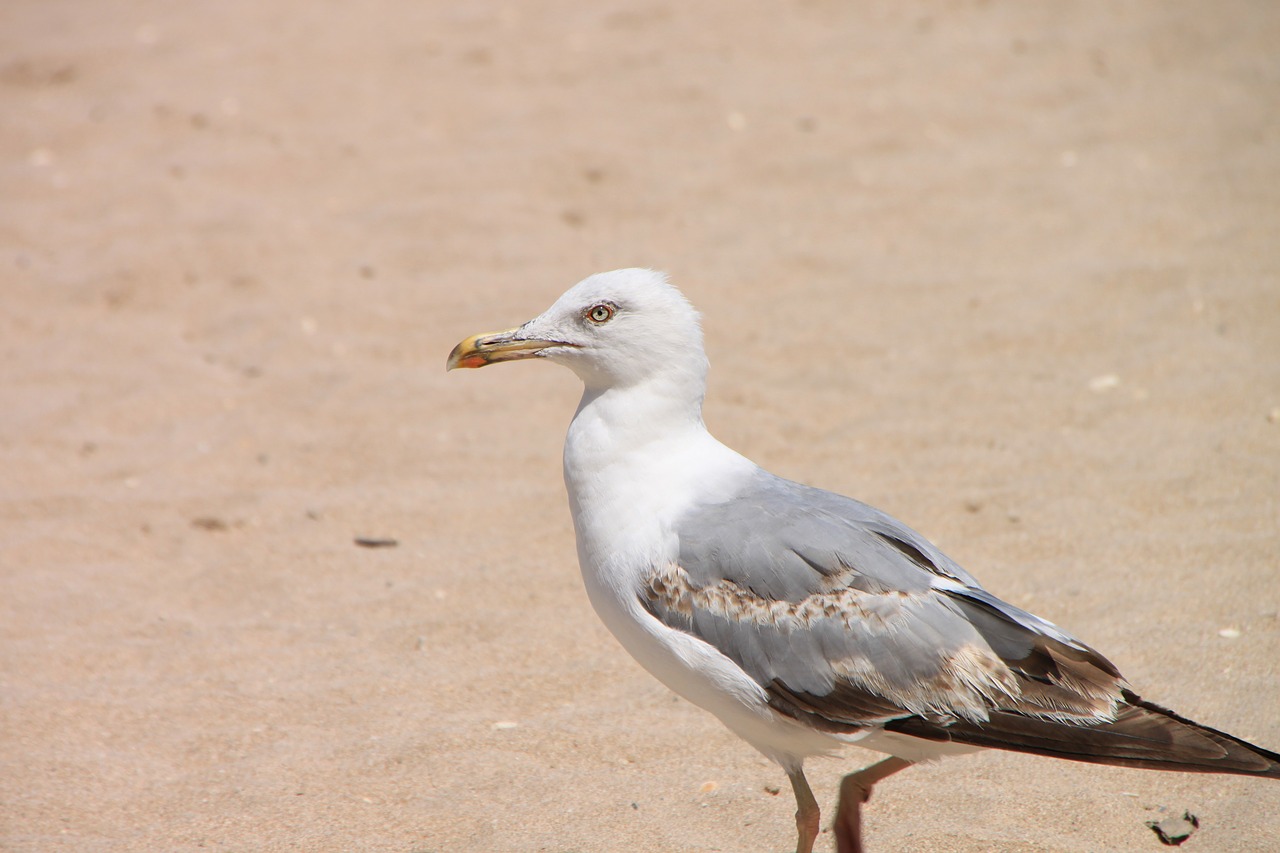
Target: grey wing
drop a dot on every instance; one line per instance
(848, 618)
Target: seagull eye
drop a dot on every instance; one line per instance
(601, 313)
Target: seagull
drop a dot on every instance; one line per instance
(804, 620)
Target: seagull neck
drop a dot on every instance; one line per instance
(640, 413)
(633, 460)
(626, 434)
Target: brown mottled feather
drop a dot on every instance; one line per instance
(851, 621)
(1040, 695)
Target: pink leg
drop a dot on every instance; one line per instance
(807, 814)
(855, 789)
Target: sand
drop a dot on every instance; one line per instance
(1008, 270)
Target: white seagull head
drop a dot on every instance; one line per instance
(615, 330)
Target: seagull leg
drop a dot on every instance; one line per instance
(807, 814)
(855, 789)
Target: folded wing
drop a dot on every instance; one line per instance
(848, 619)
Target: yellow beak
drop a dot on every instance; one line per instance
(494, 347)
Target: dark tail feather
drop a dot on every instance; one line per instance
(1142, 735)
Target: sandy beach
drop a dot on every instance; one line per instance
(1008, 270)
